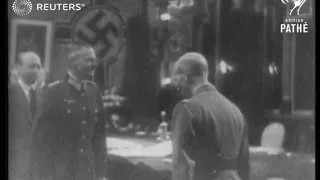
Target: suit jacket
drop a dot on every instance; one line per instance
(69, 136)
(20, 129)
(209, 138)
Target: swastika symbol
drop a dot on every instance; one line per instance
(99, 34)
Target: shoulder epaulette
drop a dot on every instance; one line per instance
(54, 83)
(185, 100)
(91, 83)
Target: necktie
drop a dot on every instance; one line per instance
(82, 88)
(33, 102)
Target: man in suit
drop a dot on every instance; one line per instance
(210, 138)
(69, 135)
(22, 108)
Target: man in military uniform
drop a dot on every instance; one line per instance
(69, 135)
(210, 140)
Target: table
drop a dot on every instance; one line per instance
(289, 166)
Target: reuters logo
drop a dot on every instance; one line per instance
(22, 7)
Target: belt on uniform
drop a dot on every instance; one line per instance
(225, 165)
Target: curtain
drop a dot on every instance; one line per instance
(140, 79)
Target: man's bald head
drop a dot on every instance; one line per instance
(27, 56)
(28, 66)
(191, 65)
(190, 71)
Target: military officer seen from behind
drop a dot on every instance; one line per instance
(209, 136)
(69, 134)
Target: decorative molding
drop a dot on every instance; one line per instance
(16, 26)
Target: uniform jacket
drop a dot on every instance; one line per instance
(20, 129)
(69, 136)
(209, 138)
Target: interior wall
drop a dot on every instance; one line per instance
(304, 71)
(242, 47)
(140, 77)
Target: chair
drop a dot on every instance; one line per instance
(272, 139)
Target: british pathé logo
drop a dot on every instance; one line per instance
(294, 24)
(297, 4)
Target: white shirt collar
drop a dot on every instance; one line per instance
(26, 88)
(77, 79)
(74, 81)
(73, 76)
(197, 87)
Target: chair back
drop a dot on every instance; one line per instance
(273, 136)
